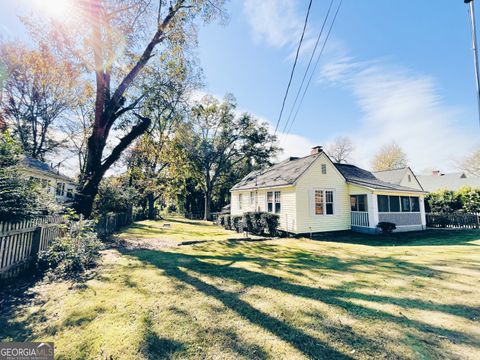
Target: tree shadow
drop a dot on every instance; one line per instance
(430, 237)
(176, 265)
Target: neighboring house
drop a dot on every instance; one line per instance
(452, 181)
(312, 194)
(403, 176)
(59, 185)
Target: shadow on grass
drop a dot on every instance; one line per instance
(431, 237)
(183, 267)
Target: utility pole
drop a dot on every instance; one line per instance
(475, 51)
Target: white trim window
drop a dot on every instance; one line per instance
(240, 201)
(252, 198)
(274, 202)
(324, 202)
(278, 204)
(270, 201)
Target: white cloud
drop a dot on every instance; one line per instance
(400, 105)
(275, 22)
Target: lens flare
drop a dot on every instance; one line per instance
(57, 9)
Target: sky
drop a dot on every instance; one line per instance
(392, 71)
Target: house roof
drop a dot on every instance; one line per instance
(288, 171)
(281, 174)
(451, 181)
(394, 176)
(39, 166)
(355, 175)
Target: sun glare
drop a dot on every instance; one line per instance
(57, 9)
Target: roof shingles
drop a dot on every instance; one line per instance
(288, 171)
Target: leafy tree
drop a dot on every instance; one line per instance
(222, 139)
(153, 161)
(444, 201)
(340, 150)
(470, 199)
(115, 195)
(389, 157)
(19, 198)
(38, 90)
(115, 42)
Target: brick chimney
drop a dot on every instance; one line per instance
(436, 172)
(316, 150)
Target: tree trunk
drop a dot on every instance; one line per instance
(151, 206)
(208, 196)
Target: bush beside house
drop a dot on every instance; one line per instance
(465, 200)
(258, 223)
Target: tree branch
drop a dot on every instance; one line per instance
(136, 131)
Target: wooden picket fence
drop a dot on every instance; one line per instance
(21, 241)
(453, 221)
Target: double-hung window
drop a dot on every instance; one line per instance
(324, 202)
(270, 201)
(240, 201)
(252, 197)
(274, 203)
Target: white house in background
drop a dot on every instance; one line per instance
(55, 183)
(312, 194)
(402, 176)
(451, 181)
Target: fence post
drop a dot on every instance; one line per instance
(37, 237)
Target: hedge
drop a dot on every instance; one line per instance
(258, 223)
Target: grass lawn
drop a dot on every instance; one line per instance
(412, 296)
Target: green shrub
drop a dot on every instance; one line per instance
(73, 253)
(386, 227)
(19, 198)
(269, 223)
(227, 222)
(236, 223)
(221, 220)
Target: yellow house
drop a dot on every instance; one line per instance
(312, 194)
(53, 182)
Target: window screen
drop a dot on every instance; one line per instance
(382, 203)
(415, 204)
(394, 203)
(405, 204)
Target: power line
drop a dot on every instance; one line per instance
(308, 66)
(293, 68)
(315, 67)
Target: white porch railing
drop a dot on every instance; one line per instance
(360, 218)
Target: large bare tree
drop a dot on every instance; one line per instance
(116, 41)
(340, 149)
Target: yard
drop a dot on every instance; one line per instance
(193, 290)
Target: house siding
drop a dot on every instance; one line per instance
(313, 179)
(414, 184)
(287, 199)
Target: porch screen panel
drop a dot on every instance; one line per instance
(415, 204)
(394, 204)
(382, 203)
